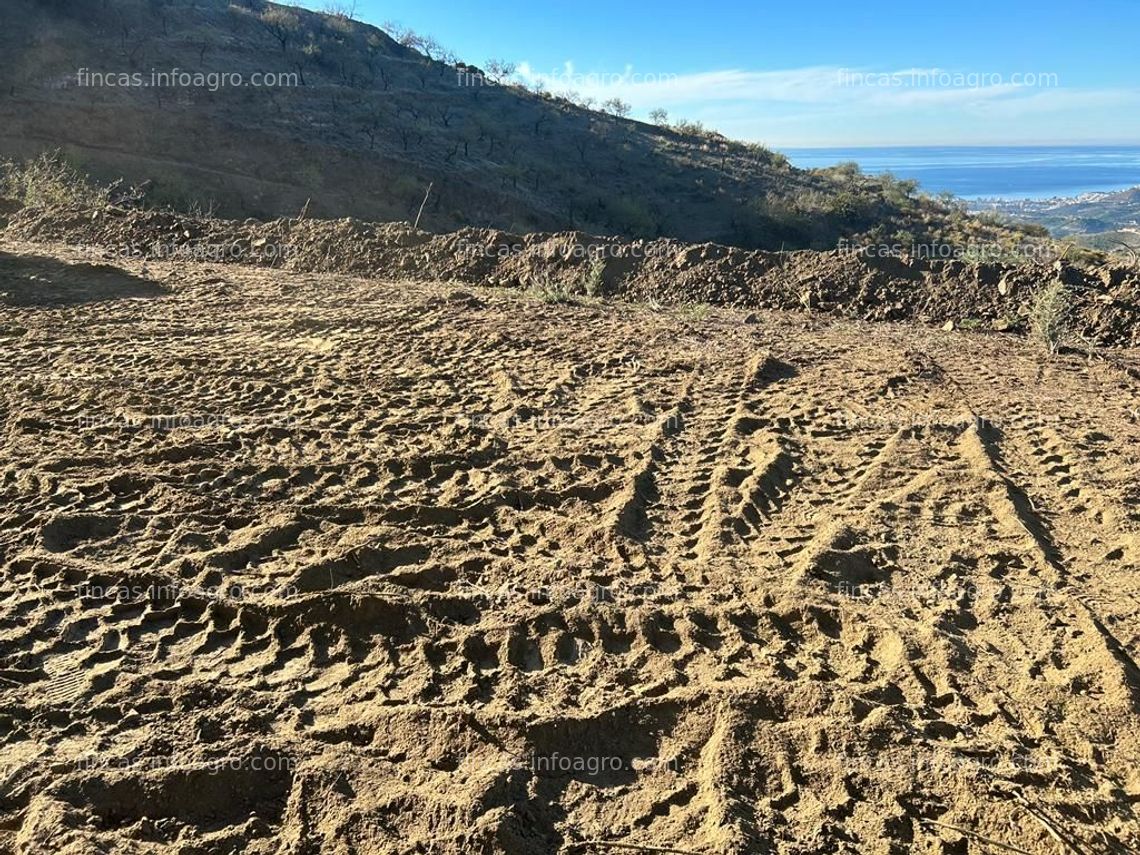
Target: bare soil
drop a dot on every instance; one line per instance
(869, 282)
(301, 562)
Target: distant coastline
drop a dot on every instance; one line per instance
(989, 173)
(1101, 220)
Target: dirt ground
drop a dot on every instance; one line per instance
(312, 563)
(868, 282)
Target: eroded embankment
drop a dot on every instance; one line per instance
(857, 285)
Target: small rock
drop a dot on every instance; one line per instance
(948, 326)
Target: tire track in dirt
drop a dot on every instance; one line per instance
(789, 588)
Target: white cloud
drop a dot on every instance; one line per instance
(822, 104)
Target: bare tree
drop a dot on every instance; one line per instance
(280, 23)
(429, 47)
(616, 106)
(158, 9)
(500, 70)
(340, 9)
(490, 133)
(582, 145)
(410, 134)
(304, 58)
(470, 132)
(407, 107)
(131, 44)
(371, 129)
(400, 34)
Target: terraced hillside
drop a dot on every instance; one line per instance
(306, 562)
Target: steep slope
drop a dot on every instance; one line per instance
(358, 124)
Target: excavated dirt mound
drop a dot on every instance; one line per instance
(863, 285)
(296, 562)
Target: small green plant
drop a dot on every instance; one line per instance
(849, 171)
(843, 204)
(780, 160)
(50, 181)
(898, 191)
(546, 289)
(1049, 316)
(696, 311)
(594, 279)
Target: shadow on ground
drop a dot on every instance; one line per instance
(34, 280)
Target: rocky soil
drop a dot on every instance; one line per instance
(297, 561)
(868, 284)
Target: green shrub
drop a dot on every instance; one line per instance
(898, 191)
(1049, 316)
(546, 289)
(779, 160)
(50, 181)
(594, 279)
(845, 204)
(848, 171)
(633, 217)
(991, 218)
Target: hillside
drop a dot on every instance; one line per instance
(367, 123)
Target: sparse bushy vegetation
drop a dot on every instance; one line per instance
(632, 217)
(550, 289)
(847, 172)
(50, 181)
(594, 279)
(1049, 316)
(688, 128)
(616, 106)
(898, 191)
(500, 70)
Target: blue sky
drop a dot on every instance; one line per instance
(822, 73)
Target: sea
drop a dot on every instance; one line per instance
(984, 172)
